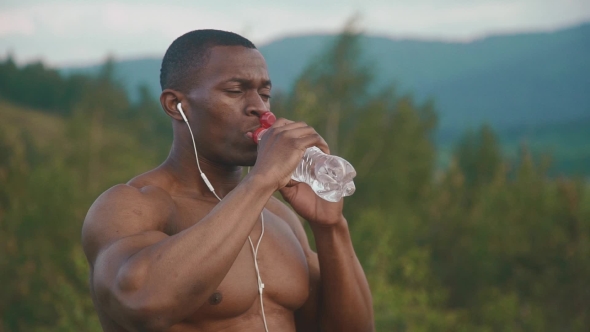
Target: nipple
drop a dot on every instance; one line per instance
(215, 298)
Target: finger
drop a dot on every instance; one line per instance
(287, 125)
(290, 190)
(282, 126)
(281, 122)
(313, 140)
(291, 183)
(295, 131)
(298, 129)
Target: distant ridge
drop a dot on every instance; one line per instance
(520, 80)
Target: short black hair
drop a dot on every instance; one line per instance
(190, 51)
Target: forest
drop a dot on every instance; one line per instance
(487, 243)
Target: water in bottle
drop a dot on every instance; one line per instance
(329, 176)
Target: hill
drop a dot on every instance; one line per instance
(508, 81)
(42, 127)
(567, 144)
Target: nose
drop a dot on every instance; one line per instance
(256, 106)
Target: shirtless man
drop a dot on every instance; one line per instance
(166, 255)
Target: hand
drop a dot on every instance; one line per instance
(310, 206)
(281, 148)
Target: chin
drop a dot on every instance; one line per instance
(246, 158)
(249, 162)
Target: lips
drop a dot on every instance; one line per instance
(251, 131)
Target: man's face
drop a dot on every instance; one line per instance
(227, 98)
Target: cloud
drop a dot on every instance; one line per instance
(173, 20)
(71, 31)
(16, 23)
(457, 22)
(111, 23)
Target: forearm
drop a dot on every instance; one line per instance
(175, 276)
(346, 303)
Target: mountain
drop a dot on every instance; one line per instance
(509, 81)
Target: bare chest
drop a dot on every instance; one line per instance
(282, 266)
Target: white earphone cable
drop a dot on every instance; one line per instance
(254, 250)
(260, 283)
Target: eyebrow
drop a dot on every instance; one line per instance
(247, 81)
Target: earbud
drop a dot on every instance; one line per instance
(179, 107)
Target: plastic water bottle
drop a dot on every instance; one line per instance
(330, 177)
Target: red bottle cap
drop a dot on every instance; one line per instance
(267, 119)
(257, 135)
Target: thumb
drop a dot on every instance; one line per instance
(290, 190)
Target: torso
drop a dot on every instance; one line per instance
(235, 305)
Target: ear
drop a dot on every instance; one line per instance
(169, 99)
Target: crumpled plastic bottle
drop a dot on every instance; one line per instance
(329, 176)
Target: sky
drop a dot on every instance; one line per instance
(83, 32)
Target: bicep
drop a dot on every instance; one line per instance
(120, 224)
(114, 264)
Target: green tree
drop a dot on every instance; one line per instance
(47, 183)
(479, 156)
(387, 138)
(508, 248)
(43, 278)
(487, 244)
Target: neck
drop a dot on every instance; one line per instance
(181, 164)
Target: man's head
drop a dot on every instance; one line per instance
(222, 82)
(190, 52)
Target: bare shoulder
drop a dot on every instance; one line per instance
(125, 210)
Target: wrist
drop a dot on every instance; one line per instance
(330, 236)
(258, 184)
(340, 223)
